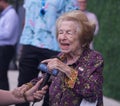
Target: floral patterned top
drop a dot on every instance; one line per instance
(88, 84)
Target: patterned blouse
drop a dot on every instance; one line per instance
(88, 84)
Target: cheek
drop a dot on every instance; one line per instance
(75, 39)
(75, 43)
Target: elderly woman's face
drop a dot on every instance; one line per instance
(68, 38)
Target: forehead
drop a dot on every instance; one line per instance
(68, 24)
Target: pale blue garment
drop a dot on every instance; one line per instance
(9, 26)
(39, 30)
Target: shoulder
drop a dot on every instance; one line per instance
(93, 57)
(11, 13)
(91, 16)
(91, 61)
(95, 53)
(96, 59)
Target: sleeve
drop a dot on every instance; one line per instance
(90, 80)
(10, 23)
(70, 82)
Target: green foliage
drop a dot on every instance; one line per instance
(107, 42)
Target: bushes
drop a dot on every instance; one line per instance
(107, 42)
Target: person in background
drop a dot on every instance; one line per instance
(9, 32)
(21, 14)
(8, 97)
(91, 17)
(80, 77)
(38, 38)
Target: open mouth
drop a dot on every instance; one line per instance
(64, 46)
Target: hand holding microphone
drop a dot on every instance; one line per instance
(43, 68)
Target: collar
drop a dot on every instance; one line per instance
(6, 10)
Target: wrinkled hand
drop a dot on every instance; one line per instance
(55, 63)
(18, 92)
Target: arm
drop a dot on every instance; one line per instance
(97, 26)
(10, 21)
(8, 97)
(94, 20)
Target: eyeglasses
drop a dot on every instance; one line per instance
(68, 32)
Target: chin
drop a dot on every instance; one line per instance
(65, 51)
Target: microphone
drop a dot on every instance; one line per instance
(43, 67)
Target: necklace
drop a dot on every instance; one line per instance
(42, 10)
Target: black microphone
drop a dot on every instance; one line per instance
(43, 67)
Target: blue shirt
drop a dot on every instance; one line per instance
(39, 29)
(9, 27)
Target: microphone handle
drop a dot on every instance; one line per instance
(45, 81)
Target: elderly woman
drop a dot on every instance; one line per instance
(80, 68)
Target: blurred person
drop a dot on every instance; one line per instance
(80, 68)
(38, 38)
(91, 17)
(8, 97)
(21, 14)
(9, 32)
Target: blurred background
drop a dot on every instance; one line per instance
(107, 41)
